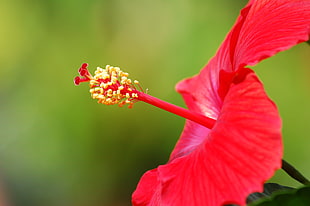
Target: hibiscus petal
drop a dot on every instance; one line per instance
(204, 94)
(225, 164)
(268, 27)
(242, 151)
(148, 190)
(201, 94)
(263, 28)
(193, 135)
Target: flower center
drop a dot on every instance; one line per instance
(112, 86)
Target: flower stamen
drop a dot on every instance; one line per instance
(110, 85)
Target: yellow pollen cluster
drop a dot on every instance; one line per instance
(112, 86)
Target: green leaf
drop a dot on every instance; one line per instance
(269, 189)
(298, 197)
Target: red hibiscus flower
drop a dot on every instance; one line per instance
(231, 142)
(224, 164)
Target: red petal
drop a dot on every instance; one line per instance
(244, 148)
(201, 94)
(148, 190)
(263, 28)
(267, 27)
(194, 134)
(242, 151)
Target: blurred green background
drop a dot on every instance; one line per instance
(58, 147)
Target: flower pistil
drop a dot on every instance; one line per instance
(112, 86)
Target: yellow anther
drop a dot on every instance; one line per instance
(112, 86)
(109, 100)
(110, 93)
(117, 69)
(114, 80)
(93, 81)
(105, 76)
(98, 71)
(100, 96)
(95, 95)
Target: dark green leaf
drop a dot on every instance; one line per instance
(296, 197)
(269, 189)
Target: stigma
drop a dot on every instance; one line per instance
(110, 85)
